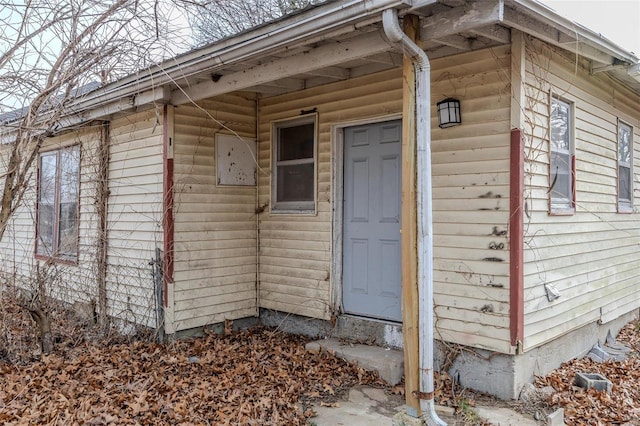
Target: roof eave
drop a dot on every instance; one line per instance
(547, 15)
(315, 23)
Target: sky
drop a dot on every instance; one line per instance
(617, 20)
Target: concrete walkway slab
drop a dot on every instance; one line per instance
(366, 406)
(504, 417)
(359, 409)
(389, 363)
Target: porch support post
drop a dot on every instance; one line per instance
(167, 216)
(516, 196)
(516, 241)
(101, 202)
(410, 309)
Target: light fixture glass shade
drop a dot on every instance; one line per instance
(449, 113)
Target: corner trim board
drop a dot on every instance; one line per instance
(168, 220)
(516, 240)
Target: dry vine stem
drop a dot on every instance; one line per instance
(53, 53)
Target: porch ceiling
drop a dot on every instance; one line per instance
(369, 53)
(448, 27)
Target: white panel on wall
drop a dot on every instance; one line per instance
(236, 160)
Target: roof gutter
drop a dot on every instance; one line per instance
(424, 203)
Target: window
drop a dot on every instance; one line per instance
(294, 166)
(561, 176)
(58, 195)
(625, 162)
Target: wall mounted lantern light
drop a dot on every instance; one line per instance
(449, 113)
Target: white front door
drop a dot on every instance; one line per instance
(372, 276)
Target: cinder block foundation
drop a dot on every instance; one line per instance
(593, 381)
(505, 375)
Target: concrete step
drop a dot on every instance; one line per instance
(389, 363)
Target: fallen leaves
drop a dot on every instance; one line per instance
(621, 406)
(253, 377)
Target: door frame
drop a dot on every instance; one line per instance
(337, 195)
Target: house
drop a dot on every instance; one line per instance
(273, 175)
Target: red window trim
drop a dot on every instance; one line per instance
(65, 260)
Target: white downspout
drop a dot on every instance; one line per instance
(425, 222)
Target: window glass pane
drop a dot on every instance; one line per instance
(296, 142)
(48, 169)
(561, 178)
(295, 183)
(69, 165)
(68, 214)
(68, 229)
(44, 245)
(560, 126)
(624, 143)
(46, 203)
(624, 184)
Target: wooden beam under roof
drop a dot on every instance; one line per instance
(313, 59)
(494, 32)
(386, 58)
(457, 41)
(464, 18)
(336, 73)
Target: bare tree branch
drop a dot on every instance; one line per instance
(217, 19)
(52, 52)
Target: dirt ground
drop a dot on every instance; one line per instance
(258, 376)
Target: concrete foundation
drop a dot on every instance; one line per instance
(355, 329)
(239, 324)
(505, 375)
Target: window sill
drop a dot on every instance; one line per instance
(625, 209)
(57, 260)
(558, 212)
(285, 212)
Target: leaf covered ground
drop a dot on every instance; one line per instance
(591, 407)
(257, 376)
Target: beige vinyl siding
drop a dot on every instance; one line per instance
(18, 244)
(471, 200)
(590, 257)
(215, 226)
(469, 162)
(295, 249)
(134, 215)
